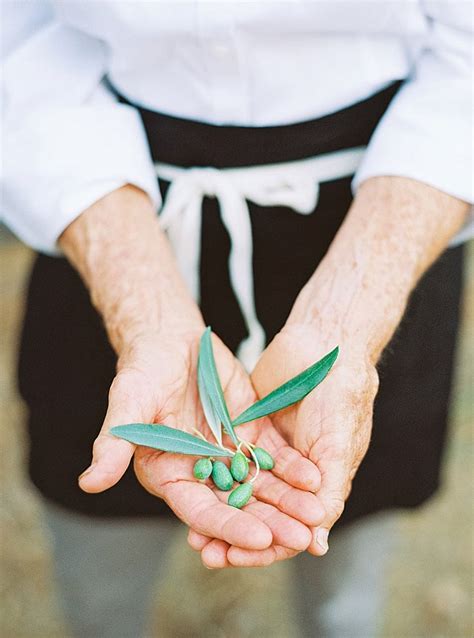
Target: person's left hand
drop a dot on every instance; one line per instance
(289, 487)
(331, 426)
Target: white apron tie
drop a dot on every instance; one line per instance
(291, 184)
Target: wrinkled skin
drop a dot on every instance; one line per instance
(395, 228)
(156, 382)
(331, 426)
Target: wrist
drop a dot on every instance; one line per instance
(150, 345)
(320, 337)
(344, 305)
(128, 266)
(395, 229)
(175, 326)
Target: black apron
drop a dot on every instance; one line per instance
(66, 363)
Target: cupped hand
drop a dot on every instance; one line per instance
(276, 488)
(332, 425)
(156, 383)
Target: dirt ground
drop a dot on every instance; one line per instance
(430, 580)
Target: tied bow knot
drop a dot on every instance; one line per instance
(293, 184)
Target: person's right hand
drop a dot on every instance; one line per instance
(156, 383)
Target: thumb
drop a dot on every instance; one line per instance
(110, 455)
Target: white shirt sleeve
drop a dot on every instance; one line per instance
(427, 132)
(66, 140)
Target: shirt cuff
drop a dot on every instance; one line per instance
(401, 148)
(427, 130)
(408, 146)
(399, 155)
(394, 151)
(62, 160)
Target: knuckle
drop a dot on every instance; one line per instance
(121, 386)
(348, 488)
(131, 391)
(364, 387)
(374, 380)
(364, 442)
(335, 508)
(361, 444)
(98, 444)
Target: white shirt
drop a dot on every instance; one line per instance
(67, 142)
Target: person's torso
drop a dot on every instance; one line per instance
(252, 63)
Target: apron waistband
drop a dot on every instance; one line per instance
(270, 165)
(188, 143)
(291, 184)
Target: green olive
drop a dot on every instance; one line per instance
(221, 476)
(265, 460)
(202, 469)
(239, 467)
(240, 496)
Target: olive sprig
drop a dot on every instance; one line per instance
(217, 416)
(162, 437)
(223, 476)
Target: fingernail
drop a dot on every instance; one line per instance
(322, 539)
(87, 471)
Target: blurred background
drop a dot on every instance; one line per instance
(431, 575)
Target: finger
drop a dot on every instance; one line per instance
(238, 557)
(110, 455)
(170, 477)
(298, 504)
(290, 537)
(296, 470)
(196, 505)
(286, 531)
(214, 554)
(197, 541)
(290, 465)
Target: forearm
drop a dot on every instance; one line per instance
(395, 229)
(127, 264)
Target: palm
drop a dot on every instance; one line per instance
(331, 426)
(160, 386)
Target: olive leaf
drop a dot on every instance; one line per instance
(211, 415)
(212, 384)
(162, 437)
(290, 392)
